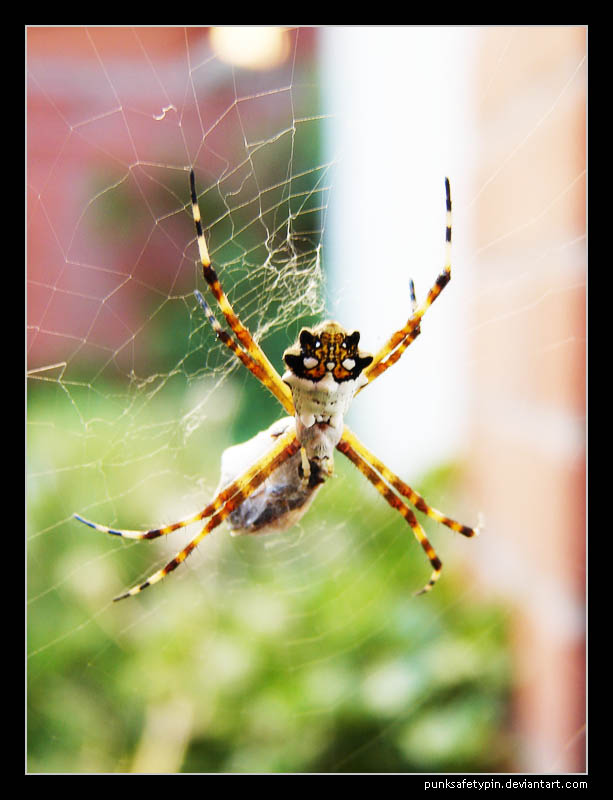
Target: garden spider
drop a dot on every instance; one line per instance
(269, 482)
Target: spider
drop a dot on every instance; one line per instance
(269, 482)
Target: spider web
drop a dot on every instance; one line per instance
(268, 653)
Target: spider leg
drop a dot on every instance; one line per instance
(230, 343)
(399, 505)
(382, 365)
(287, 446)
(403, 488)
(401, 339)
(266, 373)
(383, 479)
(228, 493)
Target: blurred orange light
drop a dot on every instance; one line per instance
(251, 46)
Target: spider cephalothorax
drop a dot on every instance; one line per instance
(327, 348)
(269, 482)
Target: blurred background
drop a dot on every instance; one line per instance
(320, 156)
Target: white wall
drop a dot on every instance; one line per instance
(399, 123)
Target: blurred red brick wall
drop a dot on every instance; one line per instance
(96, 110)
(529, 377)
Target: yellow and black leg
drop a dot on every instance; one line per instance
(265, 372)
(403, 488)
(401, 339)
(227, 501)
(395, 502)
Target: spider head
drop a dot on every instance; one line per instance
(326, 348)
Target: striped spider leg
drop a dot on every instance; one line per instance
(225, 503)
(258, 362)
(401, 339)
(384, 480)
